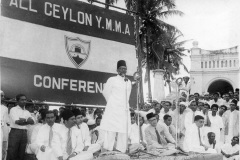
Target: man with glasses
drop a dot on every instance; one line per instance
(156, 133)
(19, 119)
(116, 117)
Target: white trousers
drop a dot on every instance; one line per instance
(109, 141)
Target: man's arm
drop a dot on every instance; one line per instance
(107, 89)
(168, 135)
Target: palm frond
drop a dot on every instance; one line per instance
(166, 14)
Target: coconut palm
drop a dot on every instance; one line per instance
(153, 33)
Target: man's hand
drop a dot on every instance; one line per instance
(30, 121)
(86, 148)
(144, 144)
(206, 148)
(42, 148)
(227, 155)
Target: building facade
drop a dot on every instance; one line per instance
(214, 71)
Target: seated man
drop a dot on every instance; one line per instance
(231, 151)
(193, 141)
(32, 147)
(68, 143)
(155, 134)
(211, 142)
(82, 127)
(168, 123)
(137, 137)
(43, 146)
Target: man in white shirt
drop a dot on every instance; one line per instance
(83, 128)
(211, 142)
(230, 151)
(165, 110)
(193, 141)
(216, 100)
(32, 147)
(168, 122)
(68, 143)
(137, 135)
(45, 137)
(232, 122)
(4, 127)
(189, 118)
(178, 122)
(227, 100)
(156, 133)
(19, 119)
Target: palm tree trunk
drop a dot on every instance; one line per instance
(148, 72)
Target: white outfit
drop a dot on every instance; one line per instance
(32, 147)
(4, 120)
(192, 140)
(216, 125)
(90, 118)
(189, 119)
(43, 140)
(217, 146)
(163, 113)
(16, 113)
(229, 149)
(85, 135)
(134, 133)
(59, 143)
(227, 104)
(117, 93)
(219, 102)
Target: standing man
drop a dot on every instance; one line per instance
(116, 117)
(19, 119)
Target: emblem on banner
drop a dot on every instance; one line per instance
(77, 50)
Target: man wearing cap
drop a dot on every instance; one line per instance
(68, 143)
(155, 134)
(193, 141)
(232, 122)
(178, 122)
(116, 116)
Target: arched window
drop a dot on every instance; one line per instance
(201, 64)
(226, 63)
(209, 64)
(230, 63)
(205, 64)
(217, 64)
(213, 64)
(221, 63)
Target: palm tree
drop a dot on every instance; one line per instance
(153, 31)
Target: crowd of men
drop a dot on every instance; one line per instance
(197, 123)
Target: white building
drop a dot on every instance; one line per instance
(214, 71)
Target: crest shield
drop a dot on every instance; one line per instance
(77, 50)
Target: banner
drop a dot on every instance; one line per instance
(63, 51)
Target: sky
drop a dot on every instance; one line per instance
(215, 24)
